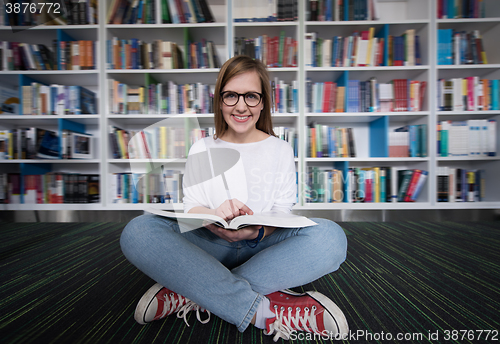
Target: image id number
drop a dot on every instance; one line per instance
(25, 7)
(471, 335)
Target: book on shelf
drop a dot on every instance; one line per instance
(365, 96)
(54, 99)
(74, 55)
(339, 10)
(134, 53)
(165, 187)
(273, 51)
(474, 138)
(132, 12)
(192, 221)
(460, 47)
(49, 188)
(365, 185)
(267, 11)
(408, 141)
(326, 141)
(185, 12)
(160, 98)
(461, 9)
(68, 13)
(154, 143)
(363, 49)
(284, 97)
(460, 185)
(471, 93)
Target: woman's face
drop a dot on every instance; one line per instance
(242, 118)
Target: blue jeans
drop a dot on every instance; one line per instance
(230, 279)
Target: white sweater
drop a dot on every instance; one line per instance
(261, 174)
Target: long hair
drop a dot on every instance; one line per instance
(235, 66)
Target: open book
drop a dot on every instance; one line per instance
(274, 219)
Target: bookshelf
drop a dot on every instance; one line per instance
(370, 129)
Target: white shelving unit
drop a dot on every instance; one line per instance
(399, 15)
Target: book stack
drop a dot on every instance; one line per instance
(66, 12)
(474, 138)
(137, 54)
(49, 188)
(277, 51)
(365, 185)
(363, 49)
(460, 185)
(265, 11)
(325, 141)
(447, 9)
(165, 187)
(468, 94)
(460, 47)
(39, 99)
(339, 10)
(160, 98)
(408, 141)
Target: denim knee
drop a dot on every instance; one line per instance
(331, 240)
(135, 232)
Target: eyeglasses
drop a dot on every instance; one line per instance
(231, 98)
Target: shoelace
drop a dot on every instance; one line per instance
(191, 306)
(182, 306)
(284, 326)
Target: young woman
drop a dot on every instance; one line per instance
(240, 276)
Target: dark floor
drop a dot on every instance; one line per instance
(424, 281)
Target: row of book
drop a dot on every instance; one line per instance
(363, 49)
(161, 98)
(159, 142)
(450, 9)
(165, 187)
(55, 99)
(137, 54)
(265, 10)
(474, 138)
(365, 96)
(460, 184)
(63, 55)
(365, 185)
(341, 10)
(66, 12)
(408, 141)
(468, 94)
(277, 51)
(325, 141)
(164, 142)
(132, 12)
(49, 188)
(37, 143)
(460, 47)
(190, 11)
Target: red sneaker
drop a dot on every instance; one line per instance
(159, 302)
(311, 312)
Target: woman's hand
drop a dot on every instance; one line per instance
(232, 208)
(245, 233)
